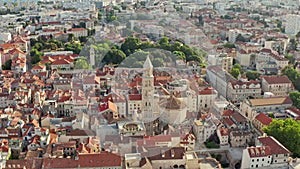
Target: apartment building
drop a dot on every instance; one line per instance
(278, 85)
(240, 90)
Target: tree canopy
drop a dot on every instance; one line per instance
(298, 34)
(293, 75)
(81, 64)
(114, 56)
(295, 97)
(229, 45)
(235, 72)
(252, 75)
(7, 65)
(287, 132)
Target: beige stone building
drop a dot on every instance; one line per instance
(239, 90)
(241, 138)
(250, 107)
(278, 85)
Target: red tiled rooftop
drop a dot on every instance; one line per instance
(277, 79)
(38, 67)
(262, 151)
(264, 119)
(207, 91)
(224, 131)
(228, 113)
(228, 121)
(103, 159)
(135, 97)
(61, 62)
(77, 29)
(276, 146)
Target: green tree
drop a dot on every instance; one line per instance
(75, 47)
(291, 73)
(287, 132)
(147, 45)
(110, 16)
(229, 45)
(137, 64)
(164, 43)
(290, 58)
(238, 66)
(298, 35)
(297, 83)
(114, 56)
(81, 64)
(176, 46)
(235, 72)
(71, 37)
(158, 62)
(35, 56)
(180, 55)
(252, 75)
(7, 65)
(130, 45)
(295, 97)
(240, 38)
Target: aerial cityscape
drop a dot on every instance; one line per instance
(149, 84)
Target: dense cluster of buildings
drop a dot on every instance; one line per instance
(55, 116)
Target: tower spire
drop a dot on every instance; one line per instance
(148, 63)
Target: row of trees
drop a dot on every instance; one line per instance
(162, 51)
(186, 52)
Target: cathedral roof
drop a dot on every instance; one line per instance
(173, 103)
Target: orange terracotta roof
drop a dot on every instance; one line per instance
(207, 91)
(276, 147)
(261, 151)
(135, 97)
(61, 62)
(103, 159)
(276, 79)
(264, 119)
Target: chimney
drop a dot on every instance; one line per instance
(172, 153)
(252, 151)
(264, 135)
(257, 151)
(162, 153)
